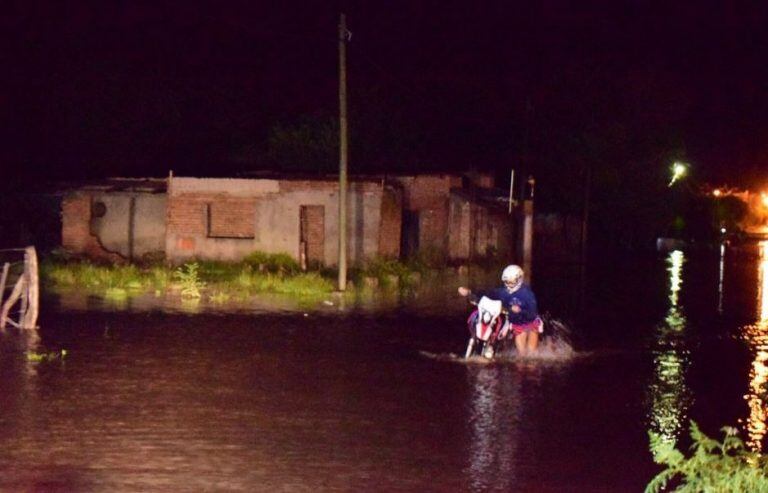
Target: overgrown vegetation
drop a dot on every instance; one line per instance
(189, 279)
(220, 282)
(213, 280)
(713, 466)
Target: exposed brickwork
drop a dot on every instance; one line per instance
(75, 217)
(314, 233)
(76, 235)
(328, 185)
(232, 218)
(187, 214)
(391, 223)
(427, 192)
(458, 231)
(302, 185)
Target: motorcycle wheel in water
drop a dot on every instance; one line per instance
(477, 347)
(485, 325)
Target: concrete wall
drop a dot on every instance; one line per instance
(275, 205)
(109, 236)
(477, 230)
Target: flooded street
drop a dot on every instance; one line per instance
(364, 398)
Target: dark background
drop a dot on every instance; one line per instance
(96, 89)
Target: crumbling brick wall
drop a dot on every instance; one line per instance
(76, 237)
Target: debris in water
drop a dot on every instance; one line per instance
(38, 357)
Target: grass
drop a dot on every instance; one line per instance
(220, 281)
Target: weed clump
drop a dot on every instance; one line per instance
(722, 466)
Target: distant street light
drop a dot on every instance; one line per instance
(678, 171)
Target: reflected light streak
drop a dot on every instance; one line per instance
(669, 393)
(720, 276)
(757, 337)
(491, 450)
(675, 269)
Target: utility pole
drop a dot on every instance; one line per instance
(343, 152)
(585, 212)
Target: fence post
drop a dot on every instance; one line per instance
(3, 280)
(33, 293)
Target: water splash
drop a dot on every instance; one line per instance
(555, 346)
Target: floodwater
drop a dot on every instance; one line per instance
(373, 397)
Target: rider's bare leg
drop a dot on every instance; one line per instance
(533, 341)
(521, 343)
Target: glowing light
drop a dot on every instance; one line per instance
(717, 192)
(764, 199)
(678, 171)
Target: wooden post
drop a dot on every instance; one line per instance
(527, 239)
(25, 291)
(3, 280)
(18, 289)
(33, 293)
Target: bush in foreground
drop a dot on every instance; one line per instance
(713, 466)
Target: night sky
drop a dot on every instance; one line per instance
(135, 89)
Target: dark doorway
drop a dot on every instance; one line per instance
(311, 235)
(409, 239)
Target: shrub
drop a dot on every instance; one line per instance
(190, 282)
(713, 466)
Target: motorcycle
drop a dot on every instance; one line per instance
(487, 326)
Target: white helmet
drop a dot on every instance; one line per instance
(512, 275)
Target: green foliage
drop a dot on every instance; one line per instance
(715, 466)
(385, 270)
(189, 279)
(278, 263)
(219, 297)
(49, 356)
(427, 258)
(92, 276)
(258, 273)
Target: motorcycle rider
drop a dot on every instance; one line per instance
(520, 302)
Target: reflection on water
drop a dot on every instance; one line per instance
(491, 452)
(720, 276)
(756, 336)
(670, 395)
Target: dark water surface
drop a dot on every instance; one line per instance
(372, 399)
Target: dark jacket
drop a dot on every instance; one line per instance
(523, 297)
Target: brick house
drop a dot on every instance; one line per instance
(183, 218)
(454, 217)
(226, 219)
